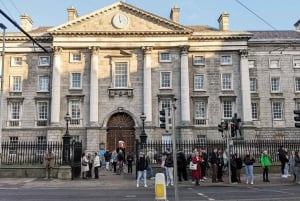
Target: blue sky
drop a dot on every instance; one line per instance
(280, 14)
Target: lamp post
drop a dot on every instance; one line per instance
(143, 135)
(66, 142)
(3, 27)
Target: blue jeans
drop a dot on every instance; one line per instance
(249, 173)
(142, 174)
(150, 170)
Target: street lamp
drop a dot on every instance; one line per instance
(143, 135)
(66, 141)
(3, 27)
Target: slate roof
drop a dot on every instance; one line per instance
(275, 35)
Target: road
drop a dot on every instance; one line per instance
(192, 193)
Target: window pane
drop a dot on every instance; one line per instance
(275, 84)
(16, 83)
(226, 81)
(254, 110)
(199, 82)
(297, 84)
(198, 60)
(42, 110)
(44, 83)
(76, 80)
(200, 110)
(121, 75)
(15, 110)
(75, 109)
(225, 59)
(277, 110)
(227, 108)
(253, 84)
(165, 57)
(165, 80)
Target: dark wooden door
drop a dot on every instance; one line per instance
(121, 128)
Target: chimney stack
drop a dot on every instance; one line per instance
(224, 21)
(72, 14)
(26, 22)
(174, 15)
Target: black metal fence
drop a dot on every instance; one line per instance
(29, 153)
(158, 148)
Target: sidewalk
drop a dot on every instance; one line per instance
(108, 179)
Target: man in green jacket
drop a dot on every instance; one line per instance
(265, 161)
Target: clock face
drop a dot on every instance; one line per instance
(120, 21)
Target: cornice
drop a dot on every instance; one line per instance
(120, 33)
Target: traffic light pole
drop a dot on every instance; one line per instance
(175, 177)
(229, 156)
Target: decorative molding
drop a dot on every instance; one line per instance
(244, 53)
(57, 50)
(184, 49)
(112, 92)
(147, 49)
(94, 50)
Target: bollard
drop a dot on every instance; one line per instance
(160, 187)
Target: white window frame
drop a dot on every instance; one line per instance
(161, 82)
(16, 61)
(42, 112)
(297, 84)
(274, 63)
(42, 85)
(123, 78)
(75, 108)
(254, 110)
(296, 62)
(75, 57)
(14, 84)
(277, 115)
(227, 109)
(164, 58)
(200, 107)
(224, 85)
(198, 60)
(166, 103)
(196, 84)
(251, 63)
(226, 60)
(271, 84)
(72, 81)
(253, 84)
(44, 60)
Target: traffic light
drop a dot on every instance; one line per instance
(297, 118)
(164, 119)
(220, 128)
(232, 129)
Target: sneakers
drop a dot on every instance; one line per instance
(145, 186)
(284, 176)
(152, 178)
(247, 182)
(137, 185)
(251, 182)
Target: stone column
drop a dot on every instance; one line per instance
(94, 86)
(184, 85)
(147, 89)
(245, 88)
(55, 93)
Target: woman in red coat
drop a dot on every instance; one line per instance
(197, 159)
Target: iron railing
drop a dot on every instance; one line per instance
(29, 152)
(157, 148)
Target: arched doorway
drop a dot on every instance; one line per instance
(120, 127)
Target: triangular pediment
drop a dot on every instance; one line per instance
(121, 18)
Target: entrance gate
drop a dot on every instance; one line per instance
(76, 159)
(120, 127)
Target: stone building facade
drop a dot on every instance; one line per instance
(108, 67)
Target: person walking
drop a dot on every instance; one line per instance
(120, 160)
(114, 158)
(197, 159)
(181, 165)
(220, 162)
(249, 161)
(49, 163)
(169, 164)
(96, 164)
(233, 168)
(283, 160)
(292, 164)
(265, 161)
(141, 167)
(149, 167)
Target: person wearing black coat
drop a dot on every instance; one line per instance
(181, 165)
(141, 166)
(239, 166)
(214, 164)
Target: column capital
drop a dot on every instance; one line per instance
(184, 49)
(57, 50)
(147, 49)
(94, 49)
(244, 53)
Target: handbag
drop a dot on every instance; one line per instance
(193, 166)
(84, 163)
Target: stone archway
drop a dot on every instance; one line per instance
(120, 126)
